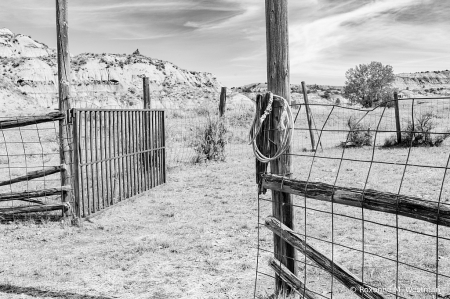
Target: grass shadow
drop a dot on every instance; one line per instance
(34, 292)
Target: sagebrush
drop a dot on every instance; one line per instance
(210, 140)
(359, 135)
(420, 133)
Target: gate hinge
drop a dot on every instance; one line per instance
(70, 115)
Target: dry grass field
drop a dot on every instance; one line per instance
(194, 237)
(197, 236)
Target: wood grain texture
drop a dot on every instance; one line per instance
(34, 209)
(336, 270)
(30, 120)
(223, 101)
(29, 195)
(308, 116)
(64, 79)
(146, 93)
(278, 82)
(33, 175)
(262, 139)
(292, 280)
(397, 119)
(386, 202)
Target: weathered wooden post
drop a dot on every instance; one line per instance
(146, 156)
(223, 101)
(146, 95)
(64, 79)
(397, 118)
(278, 79)
(308, 116)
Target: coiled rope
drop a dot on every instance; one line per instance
(286, 124)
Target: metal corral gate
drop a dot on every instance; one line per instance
(117, 154)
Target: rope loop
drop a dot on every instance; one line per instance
(285, 124)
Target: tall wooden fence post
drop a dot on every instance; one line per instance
(146, 95)
(64, 79)
(397, 118)
(278, 79)
(223, 101)
(308, 116)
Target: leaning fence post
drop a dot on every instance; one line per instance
(308, 116)
(278, 81)
(223, 101)
(146, 95)
(397, 118)
(65, 134)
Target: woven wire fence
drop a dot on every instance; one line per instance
(184, 127)
(30, 178)
(371, 221)
(184, 123)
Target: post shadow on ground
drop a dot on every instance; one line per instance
(34, 292)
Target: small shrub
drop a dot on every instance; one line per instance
(358, 135)
(419, 134)
(210, 140)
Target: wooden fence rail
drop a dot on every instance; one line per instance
(337, 271)
(386, 202)
(33, 175)
(30, 120)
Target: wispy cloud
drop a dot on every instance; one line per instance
(227, 37)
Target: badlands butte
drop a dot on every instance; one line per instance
(28, 80)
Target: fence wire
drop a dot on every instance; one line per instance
(392, 256)
(25, 151)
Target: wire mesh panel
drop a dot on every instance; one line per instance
(119, 154)
(371, 206)
(30, 170)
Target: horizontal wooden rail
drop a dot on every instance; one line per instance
(386, 202)
(35, 209)
(30, 120)
(29, 195)
(337, 271)
(33, 175)
(292, 280)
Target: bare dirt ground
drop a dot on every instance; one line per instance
(194, 237)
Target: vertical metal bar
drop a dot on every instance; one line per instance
(80, 123)
(132, 145)
(102, 133)
(128, 171)
(120, 152)
(138, 144)
(114, 165)
(91, 147)
(86, 160)
(157, 146)
(153, 149)
(164, 146)
(76, 163)
(97, 167)
(108, 157)
(140, 155)
(111, 156)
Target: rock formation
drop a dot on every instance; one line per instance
(29, 68)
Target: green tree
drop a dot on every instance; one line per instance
(368, 83)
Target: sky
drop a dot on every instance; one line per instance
(227, 37)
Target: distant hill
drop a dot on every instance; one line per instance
(435, 83)
(29, 68)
